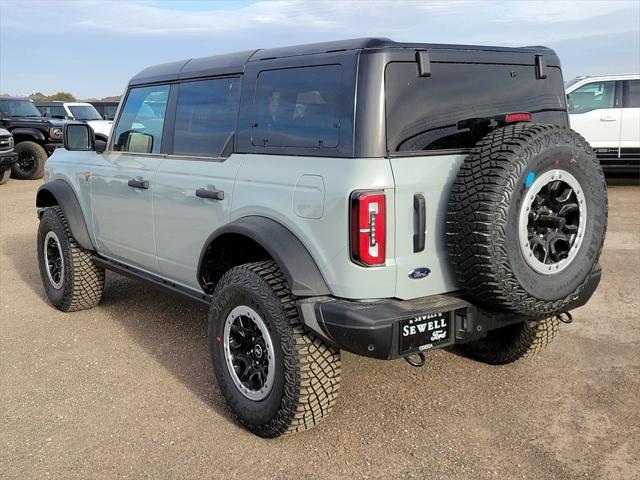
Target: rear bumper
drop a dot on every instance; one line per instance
(376, 328)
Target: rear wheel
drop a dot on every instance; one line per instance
(31, 159)
(513, 342)
(70, 278)
(275, 376)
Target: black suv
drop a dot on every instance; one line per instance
(35, 136)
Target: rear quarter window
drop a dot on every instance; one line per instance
(297, 107)
(424, 113)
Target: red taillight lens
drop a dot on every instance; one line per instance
(368, 228)
(517, 117)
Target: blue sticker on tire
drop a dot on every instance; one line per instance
(529, 180)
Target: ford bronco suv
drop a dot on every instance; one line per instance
(35, 136)
(381, 198)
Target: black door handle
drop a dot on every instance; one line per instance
(212, 194)
(420, 212)
(138, 183)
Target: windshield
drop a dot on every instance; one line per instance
(572, 82)
(19, 108)
(84, 112)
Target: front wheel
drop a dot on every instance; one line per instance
(70, 278)
(31, 159)
(275, 376)
(4, 176)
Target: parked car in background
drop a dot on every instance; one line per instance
(35, 136)
(8, 155)
(84, 112)
(106, 109)
(606, 111)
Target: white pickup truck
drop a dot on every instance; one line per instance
(606, 111)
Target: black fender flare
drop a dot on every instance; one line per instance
(31, 132)
(295, 261)
(59, 192)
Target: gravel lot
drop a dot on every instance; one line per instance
(126, 390)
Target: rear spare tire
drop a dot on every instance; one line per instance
(526, 219)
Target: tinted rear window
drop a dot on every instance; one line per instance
(423, 113)
(297, 107)
(206, 115)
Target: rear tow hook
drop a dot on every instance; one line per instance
(565, 317)
(421, 360)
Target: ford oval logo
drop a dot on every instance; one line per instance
(419, 273)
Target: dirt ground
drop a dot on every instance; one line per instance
(126, 390)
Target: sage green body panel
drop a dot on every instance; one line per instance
(122, 216)
(183, 221)
(265, 186)
(162, 230)
(432, 177)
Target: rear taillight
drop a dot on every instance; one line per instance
(517, 117)
(368, 228)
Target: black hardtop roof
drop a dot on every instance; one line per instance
(232, 63)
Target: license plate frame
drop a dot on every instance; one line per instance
(422, 333)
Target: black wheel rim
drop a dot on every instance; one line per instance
(552, 221)
(26, 161)
(54, 263)
(249, 352)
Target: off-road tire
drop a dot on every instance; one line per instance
(513, 342)
(483, 212)
(5, 175)
(82, 280)
(307, 374)
(39, 158)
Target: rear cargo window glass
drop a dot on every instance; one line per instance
(140, 125)
(592, 96)
(206, 116)
(297, 107)
(449, 109)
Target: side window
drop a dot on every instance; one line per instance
(140, 125)
(297, 107)
(592, 96)
(206, 115)
(110, 112)
(632, 94)
(57, 111)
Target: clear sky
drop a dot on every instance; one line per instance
(91, 48)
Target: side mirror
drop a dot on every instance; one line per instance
(101, 146)
(79, 137)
